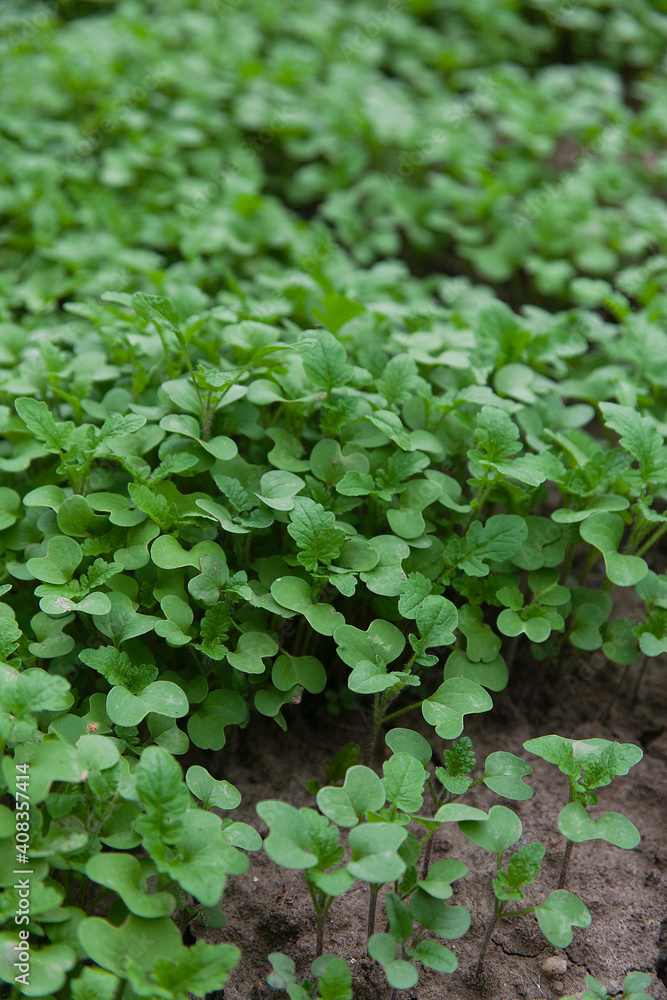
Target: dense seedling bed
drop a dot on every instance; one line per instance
(333, 372)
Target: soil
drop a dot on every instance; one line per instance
(626, 891)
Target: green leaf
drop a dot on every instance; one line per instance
(163, 794)
(362, 792)
(497, 833)
(496, 435)
(123, 873)
(639, 435)
(10, 634)
(156, 506)
(202, 857)
(123, 622)
(482, 643)
(605, 502)
(523, 868)
(386, 577)
(492, 675)
(337, 310)
(278, 489)
(494, 541)
(403, 780)
(375, 857)
(438, 881)
(408, 741)
(458, 812)
(294, 593)
(414, 590)
(313, 529)
(435, 956)
(116, 666)
(251, 648)
(57, 567)
(604, 531)
(288, 842)
(211, 791)
(391, 425)
(49, 965)
(284, 970)
(599, 760)
(222, 708)
(575, 824)
(435, 915)
(504, 773)
(94, 984)
(454, 699)
(398, 916)
(436, 619)
(335, 978)
(138, 940)
(400, 974)
(325, 363)
(200, 969)
(163, 697)
(307, 671)
(381, 643)
(559, 912)
(370, 678)
(37, 417)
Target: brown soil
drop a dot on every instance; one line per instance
(626, 891)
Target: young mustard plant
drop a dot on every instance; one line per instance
(556, 915)
(635, 985)
(588, 765)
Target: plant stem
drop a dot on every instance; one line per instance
(593, 557)
(319, 947)
(372, 904)
(427, 855)
(485, 943)
(652, 540)
(640, 677)
(612, 701)
(408, 708)
(375, 728)
(566, 862)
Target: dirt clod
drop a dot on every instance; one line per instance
(554, 966)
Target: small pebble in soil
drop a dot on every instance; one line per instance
(554, 966)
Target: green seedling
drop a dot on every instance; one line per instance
(556, 915)
(332, 978)
(635, 985)
(588, 765)
(251, 461)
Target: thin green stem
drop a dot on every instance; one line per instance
(565, 865)
(486, 941)
(401, 711)
(372, 906)
(184, 348)
(593, 557)
(652, 540)
(479, 500)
